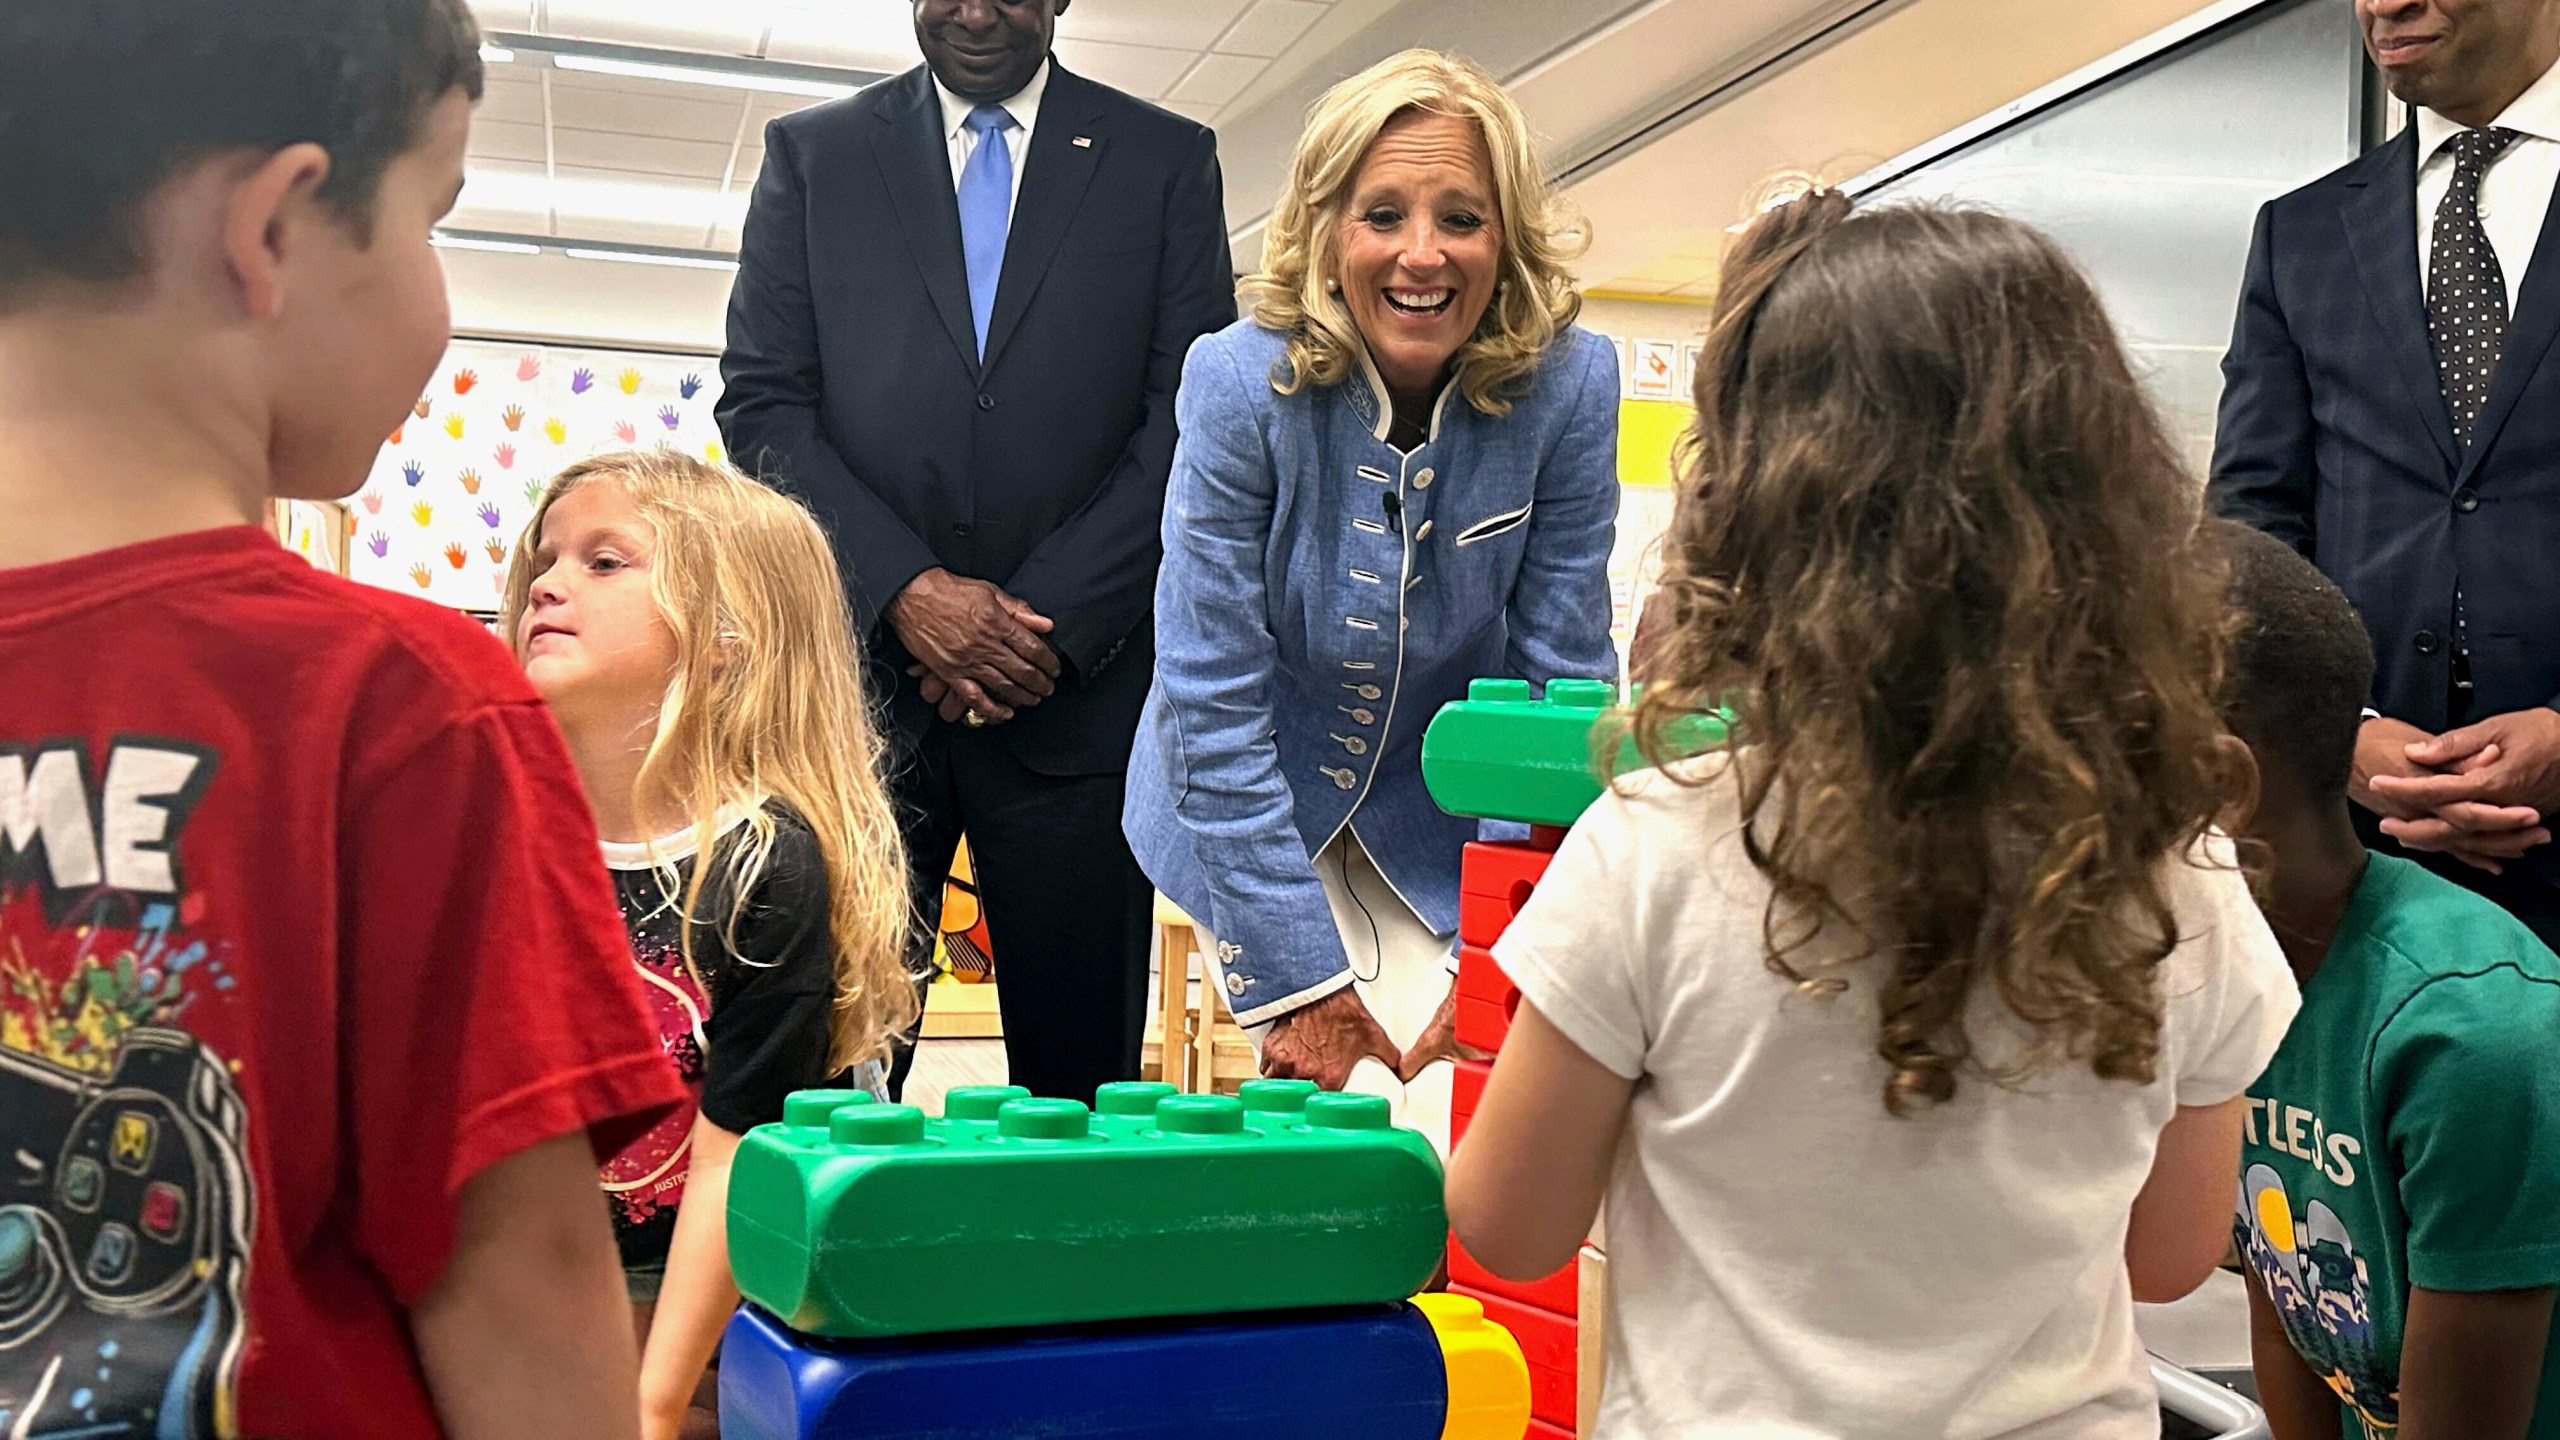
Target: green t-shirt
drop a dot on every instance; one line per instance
(2400, 1136)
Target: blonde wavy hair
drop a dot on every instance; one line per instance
(1535, 299)
(765, 704)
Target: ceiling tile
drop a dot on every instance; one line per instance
(1172, 24)
(654, 112)
(511, 98)
(1189, 111)
(671, 234)
(864, 35)
(1145, 71)
(503, 195)
(1216, 79)
(609, 150)
(505, 140)
(1270, 27)
(731, 27)
(503, 14)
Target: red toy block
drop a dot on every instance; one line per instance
(1494, 881)
(1548, 1343)
(1485, 1024)
(1466, 1092)
(1486, 999)
(1558, 1294)
(1467, 1086)
(1541, 1430)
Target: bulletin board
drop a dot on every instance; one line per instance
(455, 484)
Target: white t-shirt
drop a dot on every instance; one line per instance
(1788, 1259)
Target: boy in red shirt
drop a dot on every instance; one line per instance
(315, 1007)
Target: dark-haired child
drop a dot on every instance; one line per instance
(315, 1006)
(1907, 1038)
(2399, 1198)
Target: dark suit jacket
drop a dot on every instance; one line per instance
(2334, 437)
(853, 378)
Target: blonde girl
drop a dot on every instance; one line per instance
(687, 627)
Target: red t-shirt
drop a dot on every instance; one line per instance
(301, 927)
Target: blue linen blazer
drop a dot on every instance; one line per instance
(1323, 595)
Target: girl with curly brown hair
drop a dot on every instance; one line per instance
(1925, 1008)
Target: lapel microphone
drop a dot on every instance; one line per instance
(1393, 504)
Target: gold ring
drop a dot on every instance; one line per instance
(975, 720)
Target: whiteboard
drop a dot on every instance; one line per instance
(454, 485)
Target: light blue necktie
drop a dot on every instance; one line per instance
(986, 211)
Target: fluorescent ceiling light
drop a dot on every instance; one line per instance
(633, 257)
(496, 55)
(493, 247)
(694, 75)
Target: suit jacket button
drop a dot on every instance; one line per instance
(2466, 499)
(2428, 642)
(1235, 984)
(986, 402)
(962, 529)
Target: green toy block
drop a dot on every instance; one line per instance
(853, 1220)
(1499, 755)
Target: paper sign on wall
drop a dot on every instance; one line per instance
(1657, 371)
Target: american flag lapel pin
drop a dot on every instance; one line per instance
(1084, 142)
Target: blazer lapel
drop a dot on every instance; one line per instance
(1065, 148)
(915, 169)
(2382, 235)
(2529, 337)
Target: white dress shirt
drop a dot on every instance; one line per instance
(1025, 110)
(2515, 191)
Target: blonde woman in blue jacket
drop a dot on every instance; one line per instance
(1397, 474)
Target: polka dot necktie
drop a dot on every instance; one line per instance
(2466, 291)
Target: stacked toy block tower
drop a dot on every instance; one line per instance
(1501, 755)
(1159, 1267)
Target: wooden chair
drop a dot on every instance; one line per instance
(1199, 1049)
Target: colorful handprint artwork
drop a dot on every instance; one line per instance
(429, 509)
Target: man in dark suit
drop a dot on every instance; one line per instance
(2392, 410)
(962, 306)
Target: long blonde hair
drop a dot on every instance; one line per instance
(765, 704)
(1536, 299)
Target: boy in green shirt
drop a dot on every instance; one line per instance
(2399, 1200)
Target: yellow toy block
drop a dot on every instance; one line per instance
(1488, 1381)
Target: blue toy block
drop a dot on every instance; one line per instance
(1373, 1373)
